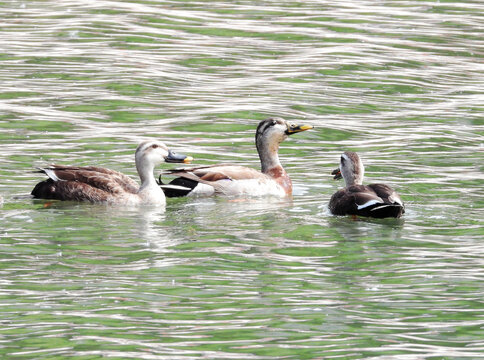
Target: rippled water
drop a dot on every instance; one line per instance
(82, 82)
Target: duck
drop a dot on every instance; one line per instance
(236, 180)
(374, 200)
(100, 185)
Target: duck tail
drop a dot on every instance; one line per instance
(387, 210)
(178, 187)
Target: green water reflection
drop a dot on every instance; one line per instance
(398, 82)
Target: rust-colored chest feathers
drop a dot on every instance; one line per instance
(282, 178)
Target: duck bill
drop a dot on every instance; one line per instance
(174, 157)
(337, 174)
(292, 129)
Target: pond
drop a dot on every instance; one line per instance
(400, 82)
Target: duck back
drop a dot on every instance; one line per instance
(375, 200)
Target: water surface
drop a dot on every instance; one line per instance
(400, 82)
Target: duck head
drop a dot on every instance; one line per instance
(152, 152)
(269, 135)
(276, 129)
(351, 169)
(156, 152)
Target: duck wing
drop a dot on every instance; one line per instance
(221, 179)
(87, 183)
(386, 193)
(218, 172)
(392, 204)
(353, 200)
(92, 175)
(365, 200)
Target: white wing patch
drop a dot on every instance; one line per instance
(174, 187)
(394, 198)
(369, 203)
(381, 207)
(51, 174)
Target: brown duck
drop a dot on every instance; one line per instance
(100, 185)
(374, 200)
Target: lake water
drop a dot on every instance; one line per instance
(400, 82)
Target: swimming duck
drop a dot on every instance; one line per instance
(235, 180)
(374, 200)
(101, 185)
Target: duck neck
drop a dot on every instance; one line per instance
(148, 182)
(269, 156)
(353, 179)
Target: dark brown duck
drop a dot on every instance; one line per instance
(374, 200)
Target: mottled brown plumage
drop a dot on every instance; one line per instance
(89, 183)
(101, 185)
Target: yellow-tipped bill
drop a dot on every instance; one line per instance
(188, 160)
(174, 157)
(294, 128)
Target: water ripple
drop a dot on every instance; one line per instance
(400, 82)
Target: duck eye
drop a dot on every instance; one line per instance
(154, 146)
